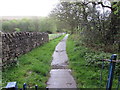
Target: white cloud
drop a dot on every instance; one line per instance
(26, 7)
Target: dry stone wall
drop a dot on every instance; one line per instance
(16, 44)
(0, 51)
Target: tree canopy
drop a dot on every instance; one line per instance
(95, 22)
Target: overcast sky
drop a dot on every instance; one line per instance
(26, 7)
(31, 7)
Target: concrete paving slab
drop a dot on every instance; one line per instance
(62, 45)
(60, 58)
(60, 76)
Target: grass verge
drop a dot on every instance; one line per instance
(86, 70)
(33, 68)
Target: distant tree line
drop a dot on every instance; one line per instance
(96, 23)
(42, 24)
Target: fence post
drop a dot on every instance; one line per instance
(24, 86)
(111, 72)
(36, 87)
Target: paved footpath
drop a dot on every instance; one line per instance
(60, 75)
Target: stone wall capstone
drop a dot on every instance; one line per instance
(19, 43)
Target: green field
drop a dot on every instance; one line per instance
(32, 68)
(53, 36)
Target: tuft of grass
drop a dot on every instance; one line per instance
(86, 73)
(32, 68)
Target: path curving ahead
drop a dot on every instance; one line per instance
(60, 75)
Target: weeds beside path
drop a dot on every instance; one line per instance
(86, 70)
(33, 68)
